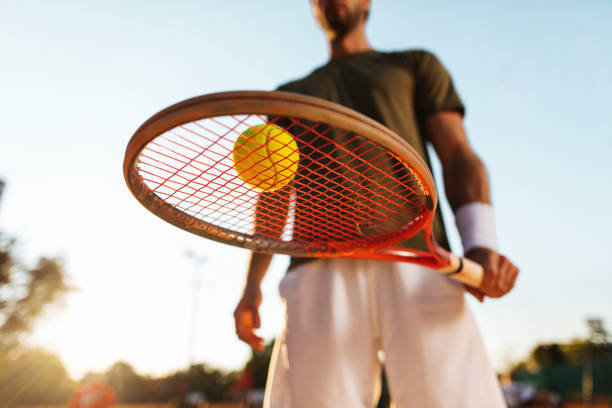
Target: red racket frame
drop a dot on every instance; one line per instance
(284, 104)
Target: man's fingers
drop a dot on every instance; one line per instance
(245, 325)
(257, 343)
(253, 340)
(475, 292)
(256, 321)
(510, 274)
(502, 278)
(506, 275)
(499, 273)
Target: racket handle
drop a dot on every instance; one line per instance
(465, 271)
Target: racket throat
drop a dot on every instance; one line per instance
(399, 254)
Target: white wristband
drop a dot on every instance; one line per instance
(476, 224)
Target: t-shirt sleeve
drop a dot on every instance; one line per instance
(284, 87)
(434, 87)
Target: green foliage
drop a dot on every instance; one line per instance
(37, 377)
(576, 351)
(28, 376)
(561, 367)
(548, 354)
(33, 377)
(131, 387)
(128, 385)
(25, 293)
(214, 383)
(258, 364)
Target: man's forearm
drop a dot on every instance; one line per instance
(467, 191)
(465, 175)
(466, 180)
(258, 266)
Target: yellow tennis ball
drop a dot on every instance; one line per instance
(266, 157)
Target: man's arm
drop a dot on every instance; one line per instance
(466, 181)
(246, 315)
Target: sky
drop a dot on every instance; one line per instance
(78, 78)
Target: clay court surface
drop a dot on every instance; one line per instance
(233, 405)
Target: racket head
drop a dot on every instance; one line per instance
(178, 164)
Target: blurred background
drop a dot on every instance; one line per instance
(94, 287)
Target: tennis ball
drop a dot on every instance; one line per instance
(265, 157)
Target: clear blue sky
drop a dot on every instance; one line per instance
(78, 78)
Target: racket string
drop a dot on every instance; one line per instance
(347, 192)
(326, 208)
(334, 160)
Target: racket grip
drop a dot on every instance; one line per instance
(465, 271)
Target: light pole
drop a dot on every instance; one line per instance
(198, 261)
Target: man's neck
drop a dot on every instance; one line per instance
(353, 42)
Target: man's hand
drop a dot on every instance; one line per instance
(247, 319)
(499, 273)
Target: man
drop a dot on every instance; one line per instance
(341, 313)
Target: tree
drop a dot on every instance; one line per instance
(214, 383)
(548, 354)
(259, 363)
(28, 376)
(563, 368)
(33, 377)
(126, 382)
(25, 292)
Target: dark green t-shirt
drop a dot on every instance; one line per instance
(398, 89)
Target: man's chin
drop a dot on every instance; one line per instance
(337, 19)
(339, 24)
(340, 21)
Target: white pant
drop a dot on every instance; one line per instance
(341, 312)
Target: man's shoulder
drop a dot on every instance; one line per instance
(412, 56)
(318, 77)
(321, 78)
(422, 63)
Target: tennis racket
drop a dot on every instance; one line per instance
(354, 189)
